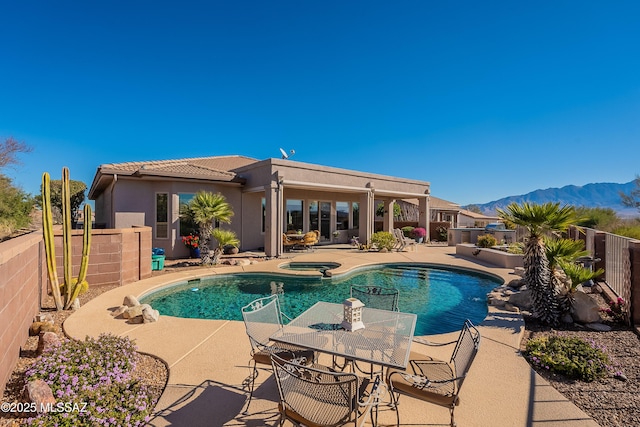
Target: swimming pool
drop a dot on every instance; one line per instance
(441, 297)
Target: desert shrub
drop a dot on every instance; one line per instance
(15, 207)
(632, 231)
(95, 372)
(571, 357)
(516, 248)
(442, 233)
(383, 240)
(486, 241)
(407, 231)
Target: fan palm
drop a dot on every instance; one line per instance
(224, 238)
(206, 209)
(540, 220)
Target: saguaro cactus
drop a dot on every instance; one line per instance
(72, 286)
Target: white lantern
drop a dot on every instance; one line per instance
(352, 314)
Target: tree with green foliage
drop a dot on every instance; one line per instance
(598, 218)
(207, 208)
(540, 220)
(15, 204)
(76, 196)
(397, 211)
(632, 199)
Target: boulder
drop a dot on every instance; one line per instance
(130, 301)
(132, 312)
(40, 393)
(37, 327)
(44, 317)
(46, 341)
(521, 299)
(516, 284)
(149, 315)
(136, 320)
(118, 312)
(584, 309)
(600, 327)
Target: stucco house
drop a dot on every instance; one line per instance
(268, 198)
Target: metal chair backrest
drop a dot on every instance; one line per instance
(262, 318)
(377, 297)
(465, 351)
(324, 398)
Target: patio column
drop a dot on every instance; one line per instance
(272, 226)
(424, 216)
(367, 213)
(387, 221)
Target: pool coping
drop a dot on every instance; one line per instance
(208, 359)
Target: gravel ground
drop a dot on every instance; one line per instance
(611, 402)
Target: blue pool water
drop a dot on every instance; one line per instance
(442, 298)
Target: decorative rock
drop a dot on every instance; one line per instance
(132, 312)
(118, 312)
(149, 315)
(46, 341)
(497, 302)
(596, 289)
(135, 320)
(600, 327)
(585, 309)
(76, 304)
(44, 317)
(620, 376)
(518, 271)
(566, 318)
(512, 308)
(130, 301)
(516, 284)
(40, 393)
(243, 262)
(35, 328)
(521, 299)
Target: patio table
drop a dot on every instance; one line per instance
(385, 340)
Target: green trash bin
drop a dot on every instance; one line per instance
(157, 262)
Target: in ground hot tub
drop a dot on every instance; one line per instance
(322, 267)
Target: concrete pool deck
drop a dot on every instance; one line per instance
(209, 359)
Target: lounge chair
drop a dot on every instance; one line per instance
(402, 241)
(433, 380)
(262, 318)
(309, 240)
(288, 243)
(318, 396)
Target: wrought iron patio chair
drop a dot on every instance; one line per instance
(318, 396)
(433, 380)
(262, 318)
(373, 297)
(377, 296)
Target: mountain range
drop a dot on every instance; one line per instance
(596, 195)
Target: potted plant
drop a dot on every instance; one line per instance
(419, 234)
(336, 235)
(193, 243)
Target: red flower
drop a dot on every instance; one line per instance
(191, 241)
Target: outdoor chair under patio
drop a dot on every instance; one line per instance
(402, 241)
(316, 396)
(262, 318)
(288, 243)
(433, 380)
(309, 240)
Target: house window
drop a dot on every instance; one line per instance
(342, 215)
(187, 224)
(293, 218)
(162, 215)
(355, 214)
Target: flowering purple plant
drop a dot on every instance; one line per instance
(419, 232)
(95, 372)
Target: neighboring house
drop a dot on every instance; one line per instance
(444, 211)
(468, 218)
(268, 197)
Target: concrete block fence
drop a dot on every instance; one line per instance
(118, 256)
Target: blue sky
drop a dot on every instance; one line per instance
(482, 99)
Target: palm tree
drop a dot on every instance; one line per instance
(540, 220)
(207, 208)
(224, 238)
